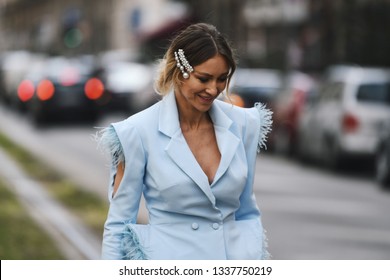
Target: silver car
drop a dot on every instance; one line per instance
(346, 119)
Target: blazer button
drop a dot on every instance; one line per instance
(195, 226)
(215, 226)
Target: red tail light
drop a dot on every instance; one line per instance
(350, 123)
(45, 90)
(94, 88)
(26, 90)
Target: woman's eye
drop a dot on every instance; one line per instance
(203, 80)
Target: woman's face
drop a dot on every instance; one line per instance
(205, 83)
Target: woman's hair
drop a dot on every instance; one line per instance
(199, 42)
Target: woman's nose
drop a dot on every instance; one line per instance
(212, 89)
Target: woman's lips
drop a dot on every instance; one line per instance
(206, 99)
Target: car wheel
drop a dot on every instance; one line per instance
(331, 155)
(38, 116)
(302, 153)
(282, 141)
(382, 167)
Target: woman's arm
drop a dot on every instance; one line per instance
(258, 125)
(126, 185)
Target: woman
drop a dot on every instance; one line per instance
(192, 157)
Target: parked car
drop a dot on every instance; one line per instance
(128, 85)
(249, 86)
(26, 88)
(65, 88)
(382, 163)
(14, 67)
(344, 122)
(298, 89)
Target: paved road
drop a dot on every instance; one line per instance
(309, 213)
(314, 214)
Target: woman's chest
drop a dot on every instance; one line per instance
(204, 148)
(175, 180)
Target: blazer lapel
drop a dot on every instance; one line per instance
(228, 142)
(177, 148)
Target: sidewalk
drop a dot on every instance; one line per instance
(74, 239)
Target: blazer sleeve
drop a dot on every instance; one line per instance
(257, 126)
(124, 144)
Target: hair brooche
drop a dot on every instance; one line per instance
(183, 64)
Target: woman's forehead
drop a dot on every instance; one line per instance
(216, 65)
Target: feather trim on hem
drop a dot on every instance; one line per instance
(265, 125)
(131, 247)
(265, 254)
(109, 142)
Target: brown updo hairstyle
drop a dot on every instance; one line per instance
(200, 42)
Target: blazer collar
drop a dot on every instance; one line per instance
(179, 151)
(169, 116)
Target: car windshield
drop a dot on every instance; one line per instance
(67, 71)
(375, 93)
(132, 77)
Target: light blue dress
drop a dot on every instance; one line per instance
(188, 217)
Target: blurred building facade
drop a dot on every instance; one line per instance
(81, 26)
(301, 34)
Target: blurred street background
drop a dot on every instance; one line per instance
(68, 68)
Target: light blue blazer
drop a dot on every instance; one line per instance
(188, 217)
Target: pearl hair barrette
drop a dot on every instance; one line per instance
(182, 64)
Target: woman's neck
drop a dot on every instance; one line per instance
(190, 118)
(193, 122)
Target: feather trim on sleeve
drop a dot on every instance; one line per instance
(109, 142)
(265, 125)
(131, 246)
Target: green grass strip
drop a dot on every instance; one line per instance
(20, 237)
(86, 205)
